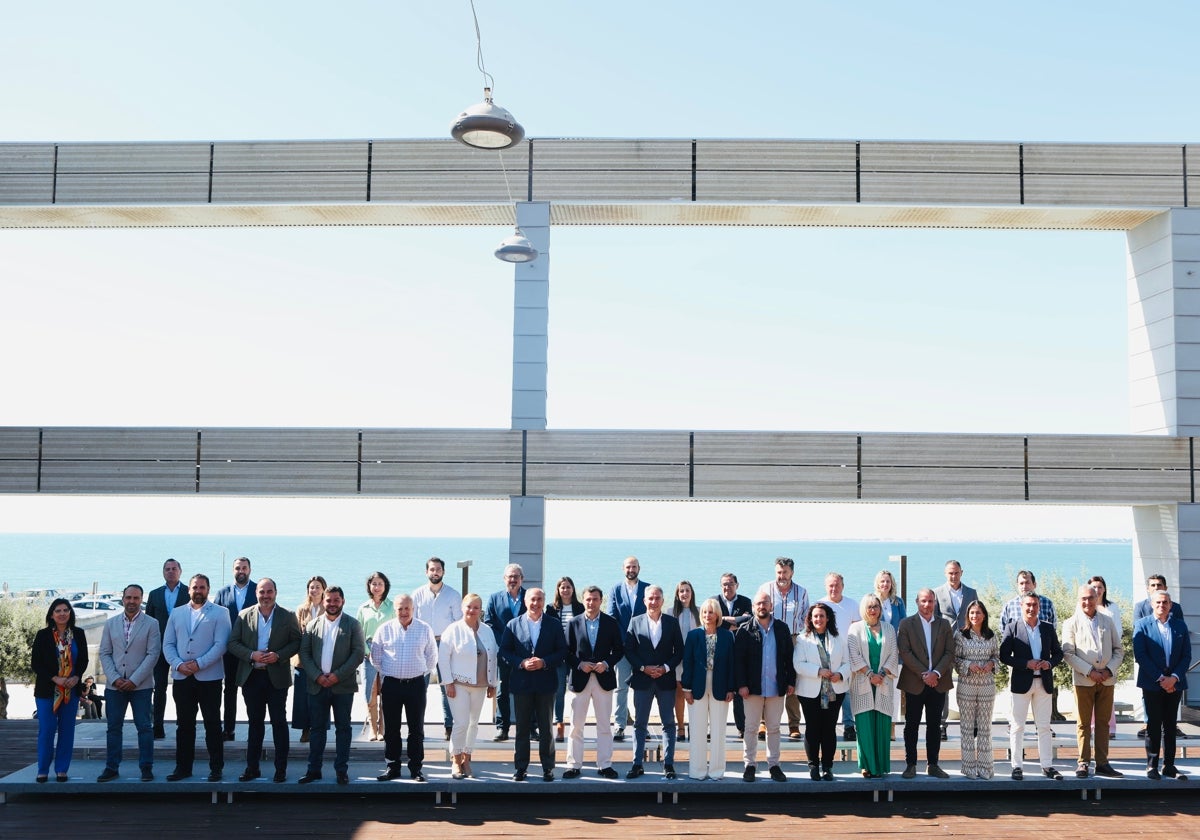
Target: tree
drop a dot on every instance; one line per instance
(19, 623)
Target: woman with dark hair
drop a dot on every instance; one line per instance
(976, 657)
(1113, 611)
(309, 609)
(59, 659)
(822, 661)
(373, 612)
(90, 703)
(685, 611)
(566, 606)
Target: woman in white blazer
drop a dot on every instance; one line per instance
(822, 663)
(875, 664)
(467, 667)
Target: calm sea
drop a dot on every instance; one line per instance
(109, 562)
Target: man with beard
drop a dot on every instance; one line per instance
(264, 639)
(194, 644)
(129, 651)
(789, 603)
(438, 605)
(235, 597)
(331, 649)
(765, 676)
(627, 599)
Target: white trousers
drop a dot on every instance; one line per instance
(602, 703)
(1042, 702)
(770, 710)
(465, 706)
(708, 716)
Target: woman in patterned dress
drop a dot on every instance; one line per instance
(976, 656)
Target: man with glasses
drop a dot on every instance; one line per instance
(789, 603)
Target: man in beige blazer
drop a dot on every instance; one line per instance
(926, 643)
(129, 652)
(331, 649)
(1091, 643)
(263, 640)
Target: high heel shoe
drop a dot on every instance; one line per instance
(681, 735)
(561, 735)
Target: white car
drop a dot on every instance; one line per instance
(96, 606)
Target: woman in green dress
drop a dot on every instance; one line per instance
(874, 665)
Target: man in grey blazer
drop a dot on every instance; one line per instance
(331, 649)
(195, 643)
(129, 650)
(953, 598)
(264, 639)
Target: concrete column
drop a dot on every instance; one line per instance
(531, 315)
(1164, 371)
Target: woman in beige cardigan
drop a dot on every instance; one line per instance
(874, 665)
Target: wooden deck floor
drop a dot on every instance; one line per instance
(1011, 814)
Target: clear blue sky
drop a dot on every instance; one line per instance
(804, 329)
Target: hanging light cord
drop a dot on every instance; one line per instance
(489, 83)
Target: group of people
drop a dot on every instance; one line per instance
(770, 658)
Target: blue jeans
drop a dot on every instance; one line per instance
(560, 696)
(142, 702)
(50, 725)
(319, 706)
(447, 715)
(642, 698)
(621, 704)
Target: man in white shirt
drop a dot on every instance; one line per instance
(404, 652)
(789, 603)
(846, 612)
(439, 605)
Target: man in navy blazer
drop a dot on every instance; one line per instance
(195, 642)
(653, 647)
(503, 607)
(736, 610)
(1163, 649)
(627, 599)
(533, 648)
(235, 597)
(1143, 608)
(1030, 648)
(594, 647)
(159, 604)
(764, 699)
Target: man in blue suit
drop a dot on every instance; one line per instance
(653, 646)
(1142, 609)
(627, 599)
(533, 649)
(235, 597)
(503, 607)
(595, 644)
(1163, 650)
(159, 604)
(194, 644)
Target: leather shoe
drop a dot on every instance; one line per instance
(519, 776)
(418, 776)
(851, 734)
(279, 777)
(794, 734)
(1018, 774)
(147, 774)
(214, 776)
(388, 774)
(619, 735)
(249, 776)
(827, 776)
(177, 775)
(1152, 774)
(635, 772)
(939, 773)
(910, 772)
(1051, 773)
(1109, 772)
(501, 735)
(607, 773)
(548, 776)
(945, 733)
(748, 773)
(108, 775)
(1081, 772)
(572, 773)
(777, 774)
(1170, 772)
(228, 736)
(159, 735)
(668, 771)
(343, 778)
(308, 778)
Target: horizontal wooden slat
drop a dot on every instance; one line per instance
(1109, 452)
(1100, 486)
(929, 450)
(18, 476)
(608, 480)
(441, 445)
(608, 447)
(934, 484)
(128, 477)
(283, 478)
(639, 170)
(775, 483)
(486, 480)
(118, 444)
(300, 445)
(18, 442)
(780, 448)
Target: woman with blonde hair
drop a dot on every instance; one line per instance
(467, 668)
(707, 687)
(874, 665)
